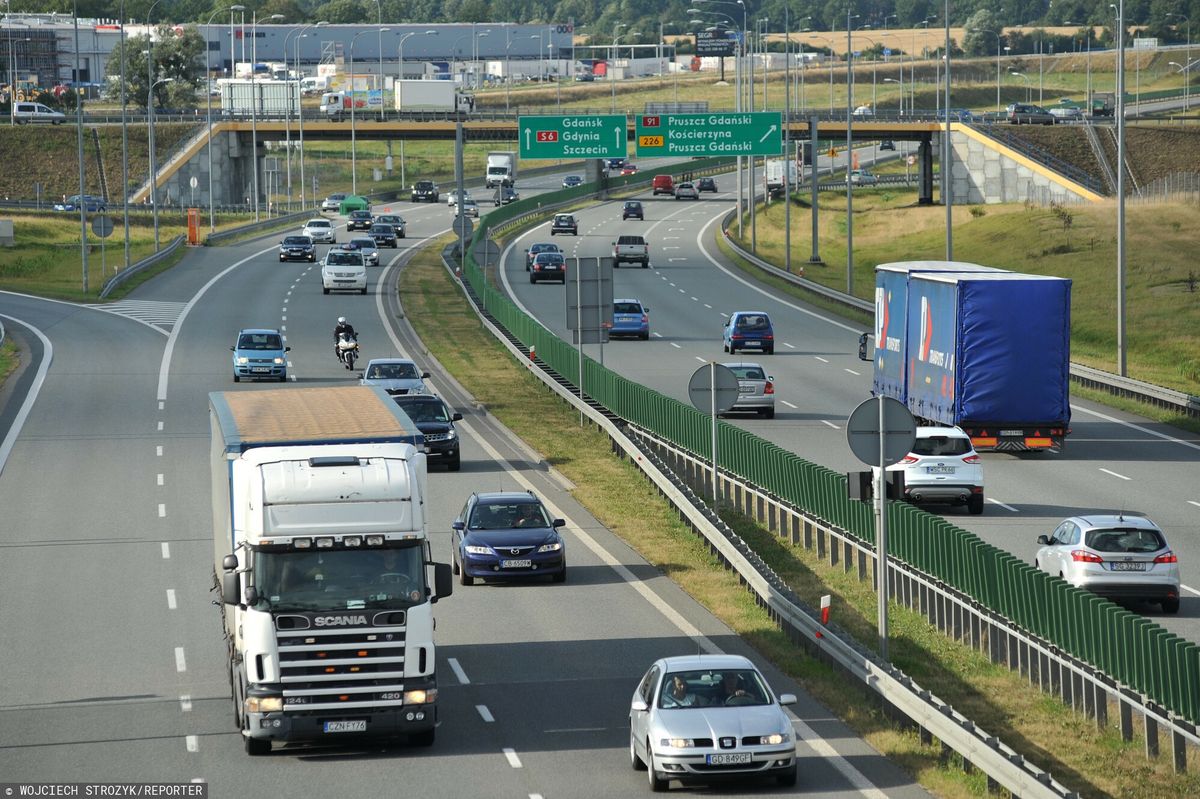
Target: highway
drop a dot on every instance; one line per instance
(113, 657)
(1113, 461)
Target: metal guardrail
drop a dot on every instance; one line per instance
(1003, 765)
(213, 239)
(145, 263)
(1116, 385)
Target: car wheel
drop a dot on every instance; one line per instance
(787, 778)
(454, 465)
(463, 577)
(237, 379)
(644, 336)
(657, 784)
(282, 259)
(532, 279)
(560, 577)
(645, 264)
(768, 350)
(454, 566)
(635, 762)
(769, 413)
(975, 504)
(325, 290)
(312, 259)
(283, 378)
(1170, 605)
(364, 291)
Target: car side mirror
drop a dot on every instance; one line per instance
(457, 526)
(456, 417)
(639, 705)
(233, 349)
(1043, 539)
(558, 523)
(862, 347)
(787, 699)
(424, 375)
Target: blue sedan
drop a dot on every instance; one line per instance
(630, 318)
(506, 535)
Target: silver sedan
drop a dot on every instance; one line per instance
(756, 389)
(697, 717)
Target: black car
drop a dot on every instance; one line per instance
(424, 191)
(384, 234)
(706, 184)
(614, 163)
(360, 220)
(436, 422)
(505, 195)
(564, 223)
(395, 220)
(548, 266)
(571, 181)
(631, 210)
(534, 249)
(297, 248)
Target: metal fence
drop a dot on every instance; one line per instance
(140, 266)
(1178, 187)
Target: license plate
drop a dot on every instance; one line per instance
(515, 564)
(728, 759)
(1130, 566)
(1012, 432)
(260, 369)
(939, 470)
(745, 389)
(359, 725)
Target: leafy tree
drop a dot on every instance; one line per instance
(981, 30)
(175, 56)
(345, 12)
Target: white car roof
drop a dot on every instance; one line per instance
(317, 223)
(700, 662)
(946, 432)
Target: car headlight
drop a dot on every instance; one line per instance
(476, 550)
(554, 547)
(279, 361)
(776, 739)
(264, 704)
(242, 360)
(451, 435)
(678, 743)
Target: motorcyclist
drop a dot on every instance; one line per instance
(343, 328)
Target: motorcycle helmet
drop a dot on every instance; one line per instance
(341, 320)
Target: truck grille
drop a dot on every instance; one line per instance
(342, 668)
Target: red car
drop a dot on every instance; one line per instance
(629, 169)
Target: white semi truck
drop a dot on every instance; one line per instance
(321, 558)
(431, 95)
(501, 169)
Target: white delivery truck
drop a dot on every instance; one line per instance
(264, 98)
(431, 95)
(501, 169)
(777, 170)
(321, 558)
(314, 84)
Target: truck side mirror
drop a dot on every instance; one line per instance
(229, 563)
(443, 581)
(231, 592)
(862, 347)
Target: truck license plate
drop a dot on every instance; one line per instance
(358, 725)
(1130, 566)
(515, 564)
(939, 470)
(732, 758)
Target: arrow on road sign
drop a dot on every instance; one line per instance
(770, 130)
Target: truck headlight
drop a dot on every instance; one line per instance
(264, 704)
(423, 696)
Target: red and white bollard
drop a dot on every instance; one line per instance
(825, 600)
(532, 353)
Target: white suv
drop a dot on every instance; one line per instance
(943, 467)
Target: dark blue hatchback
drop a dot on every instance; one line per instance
(507, 535)
(749, 329)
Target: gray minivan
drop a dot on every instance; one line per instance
(26, 113)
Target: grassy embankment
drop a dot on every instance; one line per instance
(1096, 764)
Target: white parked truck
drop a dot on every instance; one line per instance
(431, 95)
(321, 557)
(780, 168)
(501, 169)
(264, 98)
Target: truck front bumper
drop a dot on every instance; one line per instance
(332, 727)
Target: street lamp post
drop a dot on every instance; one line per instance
(900, 84)
(379, 22)
(150, 104)
(212, 225)
(255, 99)
(124, 137)
(1028, 85)
(1188, 61)
(400, 49)
(353, 136)
(849, 152)
(1182, 71)
(454, 54)
(997, 35)
(612, 57)
(300, 33)
(12, 64)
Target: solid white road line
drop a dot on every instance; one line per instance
(831, 424)
(11, 439)
(1114, 474)
(1189, 588)
(824, 750)
(511, 756)
(485, 714)
(790, 405)
(1001, 504)
(458, 671)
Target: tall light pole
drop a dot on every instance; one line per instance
(353, 102)
(379, 22)
(612, 59)
(1188, 61)
(12, 64)
(1121, 343)
(400, 48)
(301, 33)
(1028, 85)
(1183, 70)
(849, 152)
(454, 55)
(255, 99)
(150, 106)
(83, 246)
(900, 84)
(985, 30)
(124, 137)
(912, 106)
(212, 224)
(948, 149)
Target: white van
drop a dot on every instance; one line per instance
(26, 113)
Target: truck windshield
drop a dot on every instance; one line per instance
(340, 579)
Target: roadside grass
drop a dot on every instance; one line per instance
(1162, 282)
(1097, 763)
(8, 359)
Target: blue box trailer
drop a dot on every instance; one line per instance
(891, 320)
(990, 353)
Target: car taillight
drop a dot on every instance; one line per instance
(1083, 556)
(769, 337)
(1168, 557)
(645, 319)
(971, 459)
(769, 388)
(909, 460)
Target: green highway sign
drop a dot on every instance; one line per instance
(711, 134)
(577, 136)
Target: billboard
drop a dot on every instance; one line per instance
(714, 43)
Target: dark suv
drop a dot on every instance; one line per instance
(360, 220)
(384, 235)
(504, 535)
(436, 422)
(297, 248)
(424, 191)
(564, 223)
(706, 184)
(631, 210)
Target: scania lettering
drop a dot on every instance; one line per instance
(321, 558)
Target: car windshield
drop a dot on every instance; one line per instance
(535, 249)
(393, 371)
(508, 515)
(360, 214)
(384, 229)
(337, 196)
(260, 341)
(942, 445)
(633, 206)
(627, 307)
(748, 372)
(713, 688)
(366, 244)
(318, 223)
(753, 322)
(296, 241)
(1130, 541)
(343, 259)
(425, 411)
(424, 184)
(339, 579)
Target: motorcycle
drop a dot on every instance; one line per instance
(347, 349)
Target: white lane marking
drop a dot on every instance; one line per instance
(669, 248)
(672, 285)
(1194, 502)
(511, 756)
(180, 661)
(166, 550)
(193, 743)
(670, 238)
(458, 671)
(1114, 474)
(790, 405)
(851, 371)
(694, 299)
(831, 424)
(1137, 427)
(171, 599)
(485, 714)
(1001, 504)
(823, 749)
(658, 335)
(158, 451)
(162, 510)
(575, 729)
(819, 358)
(676, 346)
(675, 259)
(283, 328)
(535, 796)
(1189, 588)
(159, 479)
(789, 346)
(709, 307)
(11, 439)
(160, 426)
(161, 405)
(185, 703)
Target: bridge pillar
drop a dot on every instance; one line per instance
(232, 180)
(925, 166)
